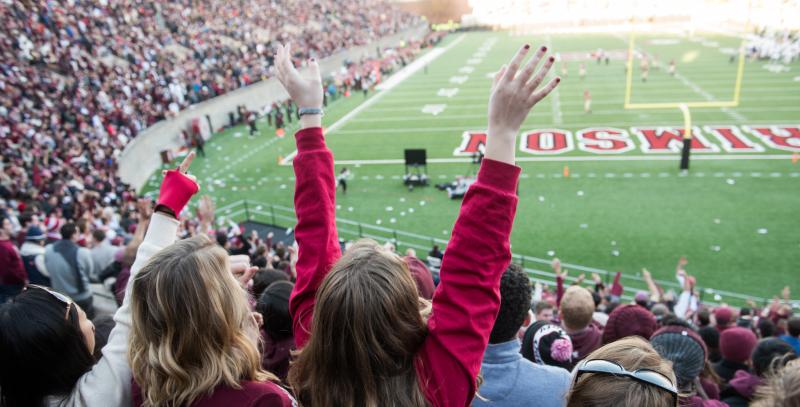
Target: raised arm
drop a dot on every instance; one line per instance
(109, 381)
(467, 299)
(314, 196)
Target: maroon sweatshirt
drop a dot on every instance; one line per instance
(12, 271)
(252, 394)
(466, 302)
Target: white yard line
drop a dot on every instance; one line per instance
(671, 157)
(385, 88)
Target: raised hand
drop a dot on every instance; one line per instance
(177, 188)
(241, 269)
(514, 93)
(304, 89)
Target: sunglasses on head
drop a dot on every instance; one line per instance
(57, 295)
(646, 376)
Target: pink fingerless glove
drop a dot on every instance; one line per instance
(176, 191)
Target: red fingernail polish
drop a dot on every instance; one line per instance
(544, 48)
(527, 46)
(558, 80)
(552, 59)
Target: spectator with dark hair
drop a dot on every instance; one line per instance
(628, 372)
(735, 345)
(102, 251)
(545, 343)
(264, 278)
(278, 340)
(575, 313)
(508, 378)
(12, 274)
(629, 320)
(745, 319)
(32, 252)
(435, 252)
(769, 357)
(710, 336)
(688, 353)
(766, 328)
(543, 311)
(70, 266)
(703, 317)
(792, 336)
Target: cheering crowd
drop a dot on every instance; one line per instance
(206, 320)
(213, 315)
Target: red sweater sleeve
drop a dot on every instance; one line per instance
(315, 205)
(467, 299)
(559, 290)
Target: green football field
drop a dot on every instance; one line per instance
(734, 215)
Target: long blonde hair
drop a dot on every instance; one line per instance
(632, 353)
(367, 327)
(192, 329)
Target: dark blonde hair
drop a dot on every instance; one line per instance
(192, 328)
(366, 331)
(605, 390)
(782, 389)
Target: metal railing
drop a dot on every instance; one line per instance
(537, 268)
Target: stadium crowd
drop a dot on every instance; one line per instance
(219, 321)
(213, 315)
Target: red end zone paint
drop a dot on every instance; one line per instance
(732, 139)
(670, 139)
(471, 143)
(652, 140)
(604, 140)
(547, 141)
(779, 137)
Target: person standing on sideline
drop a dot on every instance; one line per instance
(645, 68)
(341, 180)
(587, 101)
(13, 277)
(251, 121)
(672, 67)
(582, 71)
(70, 266)
(199, 143)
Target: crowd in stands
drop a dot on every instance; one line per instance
(213, 315)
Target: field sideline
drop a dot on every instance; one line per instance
(735, 215)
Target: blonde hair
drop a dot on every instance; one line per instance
(782, 389)
(192, 328)
(605, 390)
(367, 327)
(577, 308)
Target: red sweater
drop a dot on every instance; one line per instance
(467, 299)
(12, 271)
(252, 394)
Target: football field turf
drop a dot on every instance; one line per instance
(599, 189)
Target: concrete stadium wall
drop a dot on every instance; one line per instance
(141, 157)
